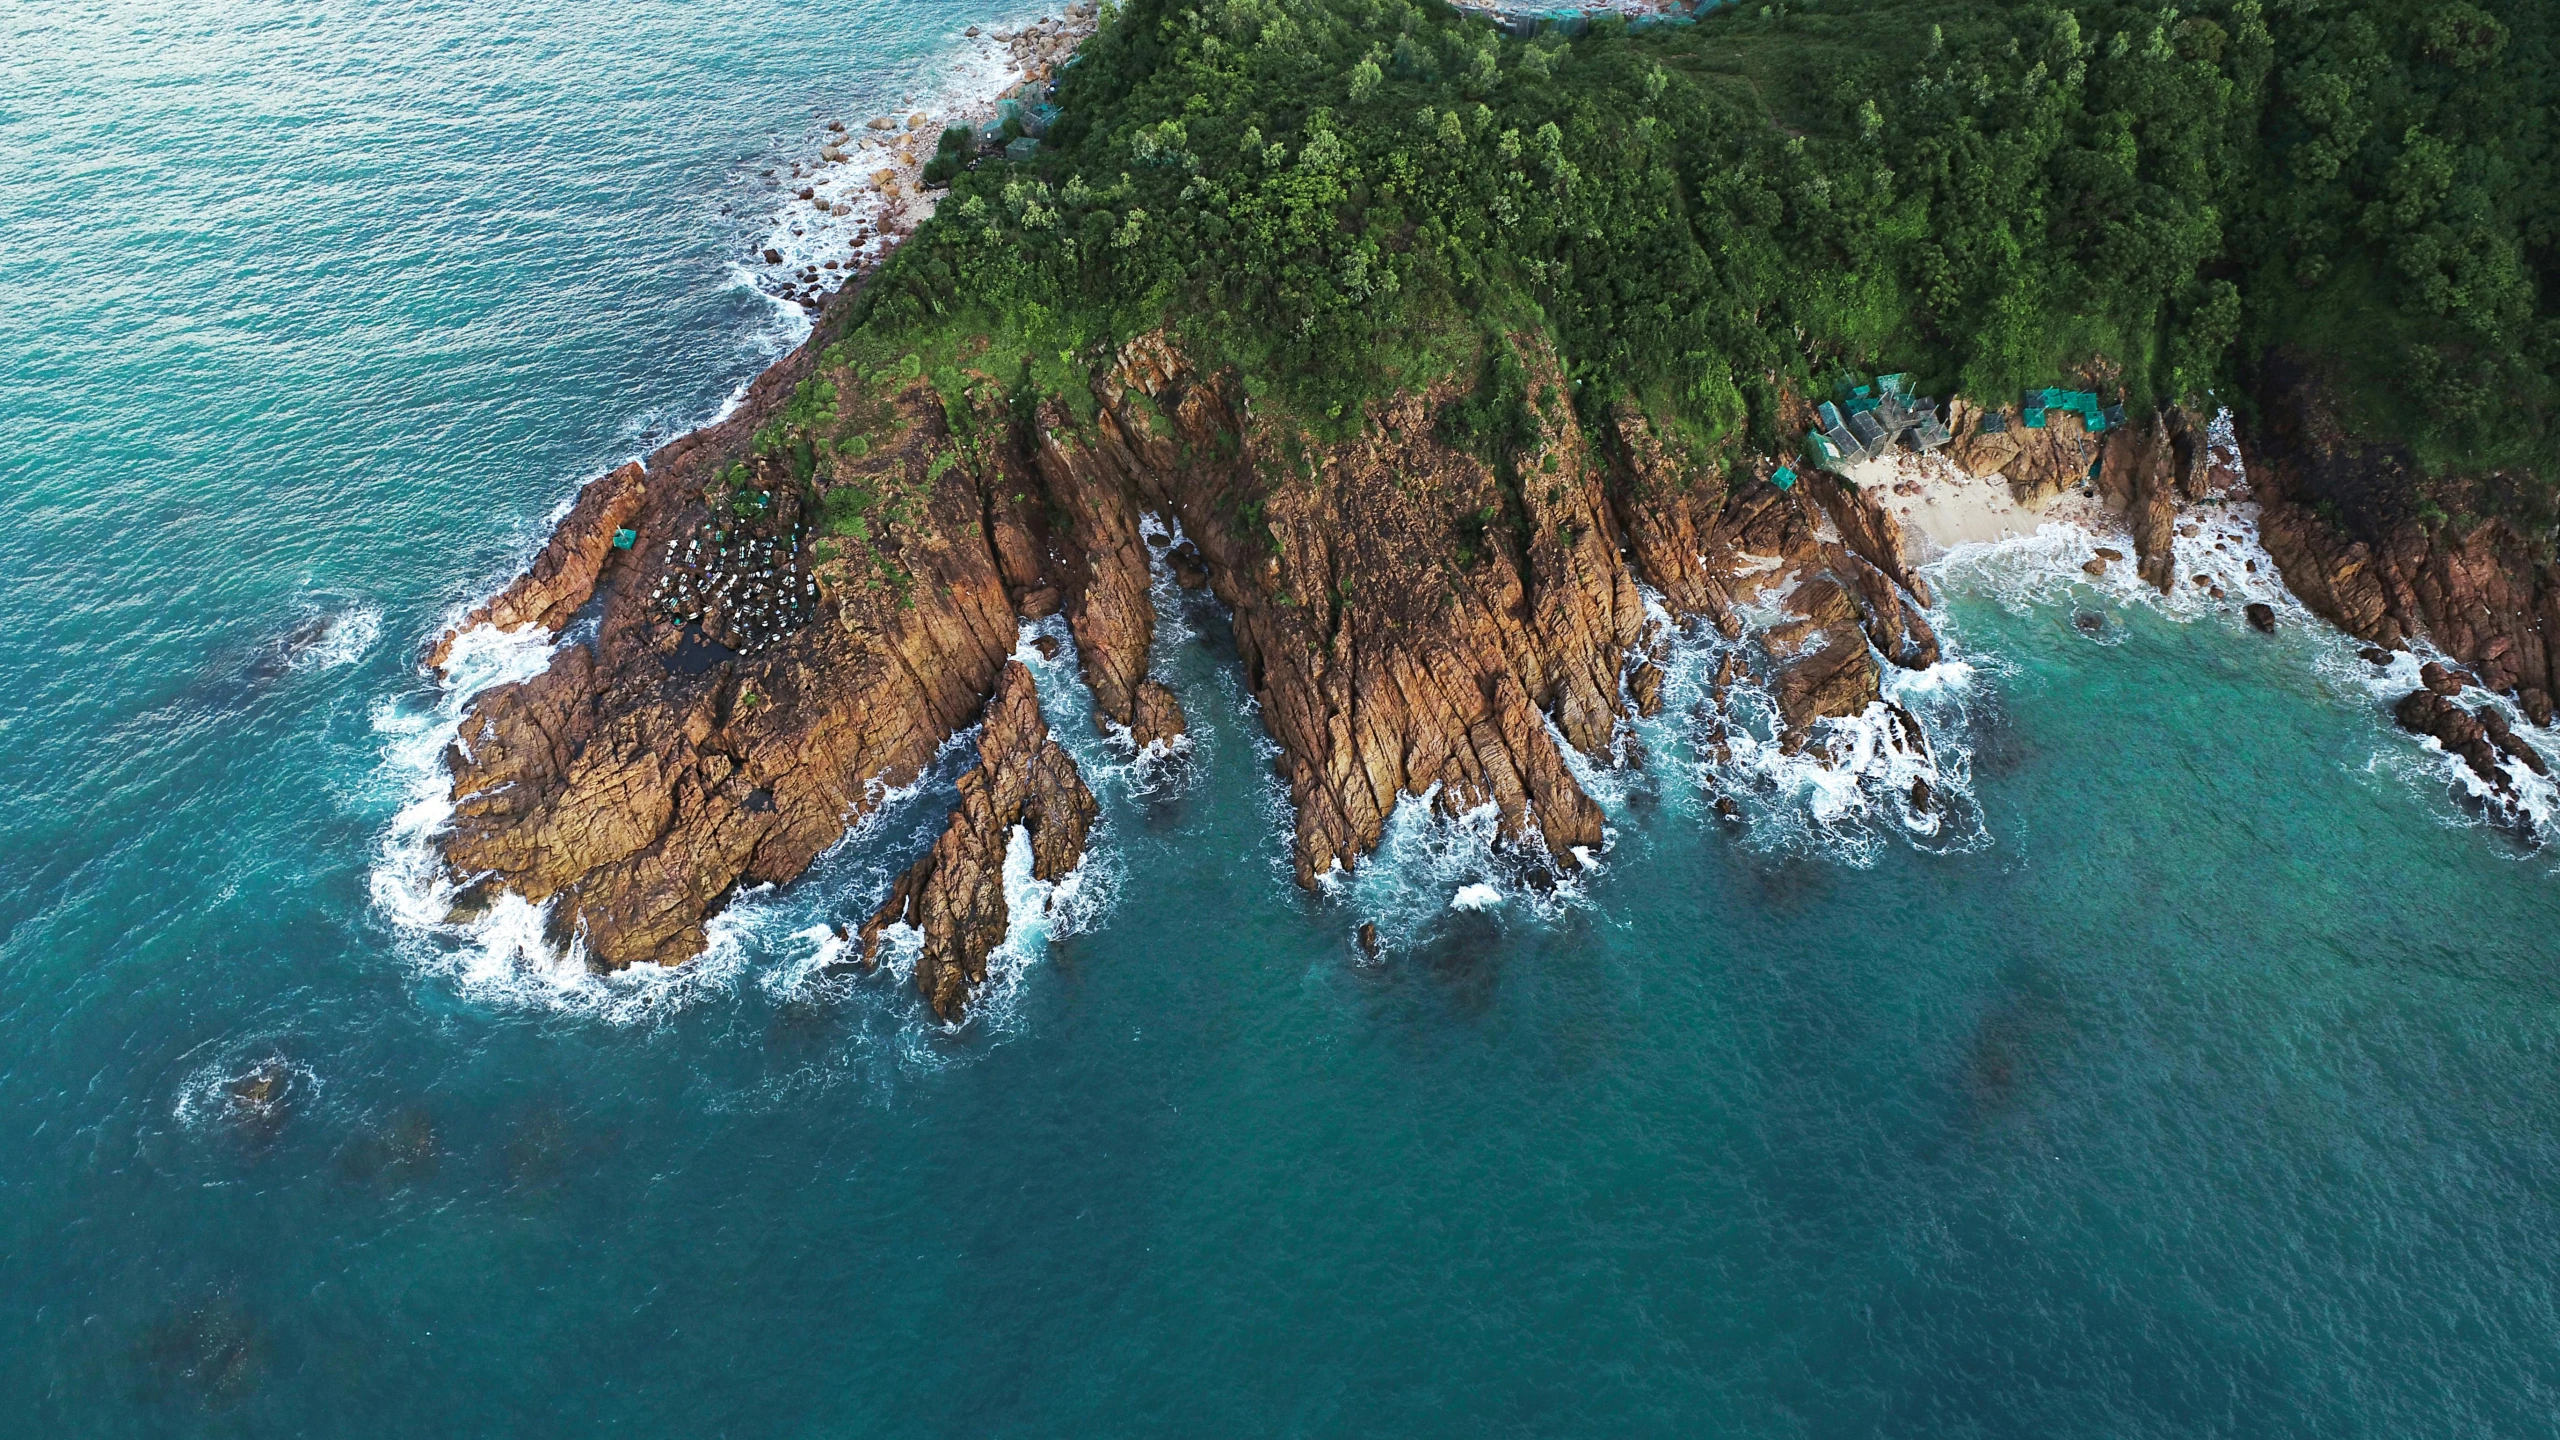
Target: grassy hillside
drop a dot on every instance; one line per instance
(1337, 197)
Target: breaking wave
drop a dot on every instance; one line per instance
(1901, 770)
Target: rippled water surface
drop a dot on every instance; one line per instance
(2195, 1076)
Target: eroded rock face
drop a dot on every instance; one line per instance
(2338, 524)
(1412, 620)
(641, 778)
(2138, 474)
(1406, 620)
(955, 894)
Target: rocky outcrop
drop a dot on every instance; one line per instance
(2347, 523)
(2424, 712)
(2138, 475)
(1408, 616)
(561, 579)
(645, 775)
(1849, 616)
(1414, 619)
(955, 894)
(2038, 464)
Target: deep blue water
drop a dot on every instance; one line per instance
(2197, 1080)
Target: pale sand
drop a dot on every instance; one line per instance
(1942, 507)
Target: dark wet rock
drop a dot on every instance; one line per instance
(2262, 617)
(773, 257)
(1189, 571)
(2536, 705)
(2109, 553)
(2095, 567)
(1726, 808)
(262, 1089)
(1369, 938)
(2428, 712)
(2502, 734)
(1540, 879)
(1048, 647)
(2436, 677)
(2089, 622)
(1923, 799)
(2375, 655)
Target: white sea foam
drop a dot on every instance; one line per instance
(348, 637)
(1429, 864)
(849, 218)
(2220, 544)
(210, 1094)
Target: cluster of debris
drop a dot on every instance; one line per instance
(1868, 420)
(746, 591)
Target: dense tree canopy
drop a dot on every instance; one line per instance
(1339, 196)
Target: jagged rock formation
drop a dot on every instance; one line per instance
(2341, 522)
(1413, 619)
(1406, 619)
(562, 578)
(641, 778)
(955, 894)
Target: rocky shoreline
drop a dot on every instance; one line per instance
(1399, 644)
(783, 631)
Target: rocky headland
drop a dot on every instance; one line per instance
(1459, 411)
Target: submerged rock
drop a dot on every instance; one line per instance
(2262, 617)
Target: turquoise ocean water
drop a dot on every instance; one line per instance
(2196, 1079)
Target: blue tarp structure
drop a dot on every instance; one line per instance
(2034, 404)
(625, 539)
(1785, 478)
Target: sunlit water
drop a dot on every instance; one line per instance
(2189, 1072)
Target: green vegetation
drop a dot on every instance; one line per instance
(1341, 197)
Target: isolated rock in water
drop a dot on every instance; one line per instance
(2442, 681)
(1369, 938)
(2095, 567)
(1923, 800)
(2375, 655)
(2503, 735)
(2262, 616)
(2089, 622)
(1188, 571)
(2426, 712)
(955, 894)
